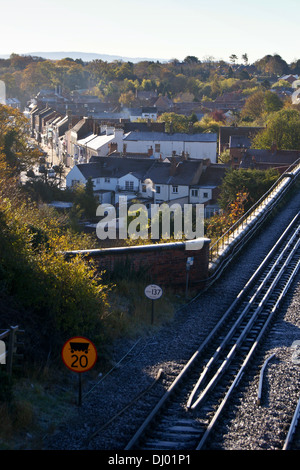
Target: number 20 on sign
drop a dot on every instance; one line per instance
(79, 354)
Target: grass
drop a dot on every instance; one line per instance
(35, 410)
(130, 312)
(37, 402)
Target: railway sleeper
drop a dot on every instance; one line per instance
(163, 445)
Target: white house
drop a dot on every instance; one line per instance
(183, 182)
(161, 144)
(100, 145)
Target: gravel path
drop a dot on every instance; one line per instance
(253, 427)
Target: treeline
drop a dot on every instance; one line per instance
(187, 80)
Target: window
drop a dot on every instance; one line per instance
(174, 189)
(75, 182)
(205, 195)
(157, 189)
(98, 180)
(195, 192)
(144, 188)
(157, 147)
(129, 185)
(107, 180)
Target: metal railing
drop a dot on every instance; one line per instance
(9, 338)
(291, 172)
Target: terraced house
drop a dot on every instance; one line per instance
(148, 180)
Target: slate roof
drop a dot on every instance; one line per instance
(213, 175)
(114, 167)
(186, 171)
(239, 141)
(267, 157)
(162, 136)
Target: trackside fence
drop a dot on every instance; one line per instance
(8, 351)
(255, 214)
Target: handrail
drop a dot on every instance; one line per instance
(9, 352)
(250, 211)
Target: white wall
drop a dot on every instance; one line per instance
(130, 178)
(100, 183)
(204, 195)
(196, 150)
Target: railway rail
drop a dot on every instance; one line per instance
(293, 432)
(187, 414)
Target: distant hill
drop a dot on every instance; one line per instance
(85, 56)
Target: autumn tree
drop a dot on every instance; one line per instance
(283, 129)
(14, 141)
(254, 183)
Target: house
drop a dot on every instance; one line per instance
(289, 78)
(172, 180)
(110, 139)
(164, 104)
(262, 159)
(59, 127)
(145, 112)
(146, 97)
(162, 145)
(175, 181)
(38, 118)
(111, 177)
(208, 188)
(13, 103)
(81, 129)
(233, 101)
(226, 132)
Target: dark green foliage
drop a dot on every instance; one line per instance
(253, 182)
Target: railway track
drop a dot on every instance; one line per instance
(188, 413)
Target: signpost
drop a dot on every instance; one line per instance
(189, 263)
(153, 292)
(79, 354)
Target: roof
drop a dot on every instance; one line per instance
(99, 141)
(178, 137)
(213, 175)
(86, 139)
(185, 174)
(78, 125)
(267, 157)
(114, 167)
(188, 172)
(239, 141)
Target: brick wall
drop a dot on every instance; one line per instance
(165, 263)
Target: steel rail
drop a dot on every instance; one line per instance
(193, 360)
(246, 329)
(243, 314)
(292, 428)
(246, 361)
(261, 378)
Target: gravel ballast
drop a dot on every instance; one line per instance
(253, 427)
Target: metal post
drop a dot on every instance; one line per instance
(187, 283)
(79, 390)
(11, 348)
(152, 312)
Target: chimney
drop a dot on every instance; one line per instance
(113, 146)
(69, 114)
(173, 166)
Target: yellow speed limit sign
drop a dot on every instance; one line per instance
(79, 354)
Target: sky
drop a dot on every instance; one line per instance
(156, 29)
